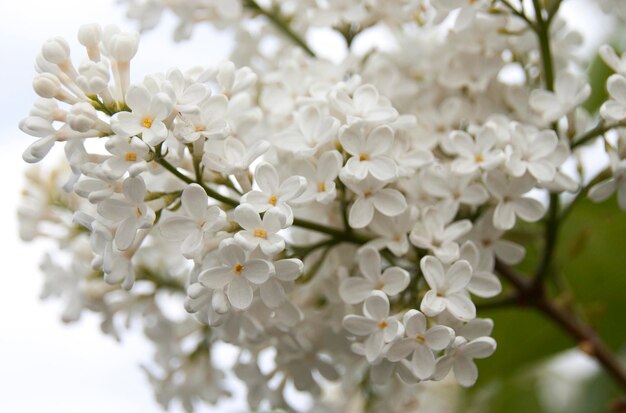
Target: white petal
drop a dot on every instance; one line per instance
(239, 293)
(389, 202)
(379, 140)
(423, 362)
(354, 290)
(374, 346)
(134, 190)
(465, 371)
(247, 217)
(480, 348)
(458, 276)
(461, 307)
(529, 209)
(414, 323)
(272, 293)
(601, 191)
(192, 243)
(359, 325)
(395, 280)
(504, 216)
(401, 349)
(433, 272)
(195, 201)
(376, 306)
(439, 337)
(266, 178)
(288, 269)
(361, 213)
(216, 277)
(431, 304)
(370, 264)
(256, 271)
(485, 284)
(125, 233)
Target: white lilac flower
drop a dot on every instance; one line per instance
(421, 342)
(458, 189)
(286, 271)
(437, 232)
(570, 90)
(365, 105)
(392, 281)
(320, 178)
(615, 108)
(200, 221)
(371, 195)
(511, 200)
(146, 117)
(129, 214)
(460, 359)
(368, 151)
(312, 130)
(232, 156)
(274, 194)
(259, 232)
(531, 151)
(392, 232)
(489, 239)
(129, 155)
(475, 154)
(375, 323)
(448, 288)
(209, 123)
(484, 283)
(237, 274)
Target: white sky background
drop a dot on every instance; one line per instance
(46, 366)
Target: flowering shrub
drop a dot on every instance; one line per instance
(352, 216)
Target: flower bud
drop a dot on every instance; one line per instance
(36, 126)
(46, 85)
(89, 35)
(56, 50)
(82, 117)
(120, 46)
(93, 78)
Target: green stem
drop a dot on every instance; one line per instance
(518, 13)
(600, 129)
(552, 221)
(281, 24)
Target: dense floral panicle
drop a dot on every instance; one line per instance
(334, 219)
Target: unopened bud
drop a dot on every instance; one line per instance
(82, 117)
(89, 35)
(46, 85)
(56, 50)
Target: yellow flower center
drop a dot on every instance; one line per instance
(238, 268)
(260, 233)
(383, 325)
(479, 157)
(130, 156)
(364, 157)
(321, 187)
(273, 199)
(420, 339)
(147, 122)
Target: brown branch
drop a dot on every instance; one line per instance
(586, 337)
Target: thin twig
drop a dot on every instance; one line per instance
(280, 23)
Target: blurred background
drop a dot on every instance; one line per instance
(48, 366)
